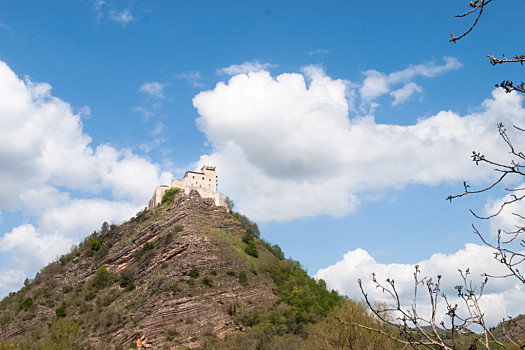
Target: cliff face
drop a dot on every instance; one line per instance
(169, 276)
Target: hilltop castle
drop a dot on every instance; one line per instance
(204, 182)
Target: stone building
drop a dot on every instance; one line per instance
(204, 182)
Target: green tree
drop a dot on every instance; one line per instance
(94, 245)
(126, 280)
(61, 311)
(63, 335)
(230, 203)
(25, 304)
(251, 249)
(344, 329)
(102, 279)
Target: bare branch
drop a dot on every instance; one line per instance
(509, 86)
(516, 59)
(476, 6)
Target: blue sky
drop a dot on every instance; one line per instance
(339, 126)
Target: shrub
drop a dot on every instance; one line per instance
(243, 280)
(194, 273)
(232, 309)
(126, 280)
(147, 246)
(171, 334)
(274, 249)
(140, 216)
(207, 281)
(179, 228)
(25, 304)
(42, 293)
(105, 227)
(248, 237)
(102, 279)
(61, 311)
(230, 203)
(251, 249)
(250, 226)
(94, 245)
(169, 196)
(5, 318)
(63, 335)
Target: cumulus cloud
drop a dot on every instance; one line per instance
(10, 280)
(45, 157)
(246, 67)
(377, 84)
(24, 241)
(293, 135)
(502, 297)
(153, 89)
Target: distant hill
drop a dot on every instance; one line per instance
(183, 275)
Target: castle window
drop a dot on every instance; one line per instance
(203, 177)
(193, 177)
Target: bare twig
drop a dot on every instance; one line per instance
(420, 332)
(476, 6)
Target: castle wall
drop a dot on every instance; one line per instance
(205, 182)
(157, 196)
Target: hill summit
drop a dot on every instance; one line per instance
(182, 275)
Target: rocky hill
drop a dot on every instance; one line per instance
(183, 275)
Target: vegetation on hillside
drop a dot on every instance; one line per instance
(102, 293)
(180, 275)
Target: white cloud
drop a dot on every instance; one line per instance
(403, 94)
(123, 17)
(244, 68)
(146, 113)
(30, 249)
(428, 70)
(192, 77)
(285, 148)
(153, 89)
(377, 84)
(108, 9)
(45, 157)
(318, 52)
(374, 85)
(10, 280)
(79, 217)
(502, 297)
(84, 112)
(159, 127)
